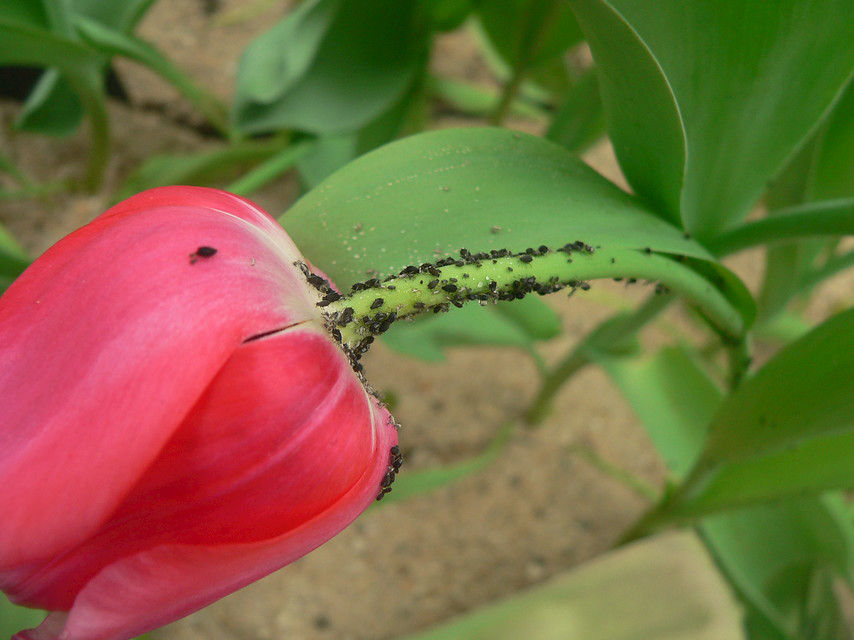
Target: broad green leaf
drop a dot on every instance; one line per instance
(276, 59)
(429, 195)
(666, 588)
(580, 120)
(531, 315)
(13, 619)
(30, 45)
(332, 152)
(52, 108)
(447, 15)
(787, 430)
(706, 101)
(673, 397)
(531, 35)
(368, 58)
(426, 337)
(27, 13)
(771, 554)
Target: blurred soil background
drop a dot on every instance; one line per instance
(549, 502)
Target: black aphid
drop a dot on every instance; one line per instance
(450, 288)
(377, 303)
(433, 284)
(202, 252)
(346, 317)
(526, 258)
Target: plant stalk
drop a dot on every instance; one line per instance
(371, 307)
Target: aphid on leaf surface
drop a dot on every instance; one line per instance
(202, 252)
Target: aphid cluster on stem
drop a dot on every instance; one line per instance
(373, 305)
(395, 461)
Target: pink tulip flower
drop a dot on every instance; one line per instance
(176, 421)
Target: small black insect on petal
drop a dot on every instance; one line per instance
(202, 252)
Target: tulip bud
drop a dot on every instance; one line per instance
(176, 420)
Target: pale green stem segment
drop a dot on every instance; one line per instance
(511, 276)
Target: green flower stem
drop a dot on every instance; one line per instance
(270, 169)
(540, 18)
(611, 335)
(370, 308)
(89, 89)
(827, 218)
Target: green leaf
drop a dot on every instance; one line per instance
(30, 45)
(533, 316)
(122, 16)
(771, 553)
(429, 195)
(706, 101)
(580, 120)
(13, 619)
(447, 15)
(52, 108)
(832, 174)
(415, 483)
(200, 168)
(787, 430)
(665, 588)
(823, 169)
(472, 325)
(368, 58)
(511, 28)
(114, 42)
(673, 397)
(275, 60)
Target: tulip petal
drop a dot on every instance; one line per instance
(110, 338)
(281, 452)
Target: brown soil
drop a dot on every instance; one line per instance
(538, 510)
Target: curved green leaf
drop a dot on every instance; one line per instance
(14, 618)
(52, 107)
(429, 195)
(745, 81)
(472, 325)
(788, 430)
(368, 57)
(760, 547)
(276, 59)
